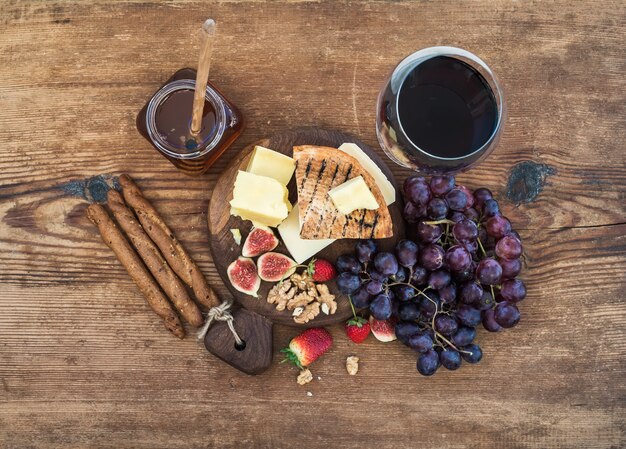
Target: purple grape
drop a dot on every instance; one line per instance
(457, 216)
(437, 208)
(421, 342)
(374, 287)
(446, 325)
(458, 258)
(376, 275)
(401, 275)
(465, 275)
(468, 315)
(489, 321)
(431, 257)
(361, 298)
(428, 308)
(450, 359)
(403, 292)
(417, 191)
(439, 279)
(440, 185)
(419, 276)
(506, 314)
(447, 294)
(348, 263)
(408, 311)
(464, 336)
(348, 283)
(468, 195)
(380, 307)
(406, 252)
(491, 208)
(498, 226)
(472, 353)
(485, 302)
(386, 263)
(428, 363)
(471, 214)
(510, 268)
(480, 196)
(413, 213)
(489, 271)
(405, 330)
(471, 246)
(513, 290)
(470, 293)
(465, 230)
(509, 247)
(456, 199)
(365, 250)
(428, 233)
(515, 234)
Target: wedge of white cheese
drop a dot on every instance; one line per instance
(299, 248)
(386, 188)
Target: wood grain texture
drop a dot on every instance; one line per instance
(225, 250)
(83, 363)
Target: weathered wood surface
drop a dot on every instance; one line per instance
(225, 251)
(84, 363)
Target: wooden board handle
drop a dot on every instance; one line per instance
(254, 330)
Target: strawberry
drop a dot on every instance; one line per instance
(321, 270)
(357, 329)
(307, 347)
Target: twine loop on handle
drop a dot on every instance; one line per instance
(220, 313)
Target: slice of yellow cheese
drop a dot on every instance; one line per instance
(260, 199)
(385, 186)
(352, 195)
(270, 163)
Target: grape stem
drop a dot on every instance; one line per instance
(482, 248)
(438, 335)
(352, 307)
(436, 222)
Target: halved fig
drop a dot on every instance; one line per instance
(260, 240)
(243, 276)
(383, 330)
(275, 266)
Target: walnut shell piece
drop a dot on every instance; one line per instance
(281, 294)
(352, 365)
(304, 377)
(310, 311)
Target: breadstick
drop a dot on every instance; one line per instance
(182, 264)
(153, 259)
(115, 240)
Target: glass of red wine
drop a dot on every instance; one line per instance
(441, 111)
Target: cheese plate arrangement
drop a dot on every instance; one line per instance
(291, 202)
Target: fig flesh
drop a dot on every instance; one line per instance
(243, 275)
(260, 240)
(383, 330)
(275, 266)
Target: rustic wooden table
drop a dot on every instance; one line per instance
(84, 363)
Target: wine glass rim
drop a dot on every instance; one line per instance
(420, 56)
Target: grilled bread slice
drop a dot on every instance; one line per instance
(320, 169)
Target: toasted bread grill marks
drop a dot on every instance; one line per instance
(320, 169)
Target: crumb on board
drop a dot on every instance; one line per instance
(236, 235)
(309, 394)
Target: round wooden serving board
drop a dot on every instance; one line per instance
(225, 250)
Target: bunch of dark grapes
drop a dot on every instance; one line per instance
(459, 271)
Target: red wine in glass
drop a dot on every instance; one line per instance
(440, 111)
